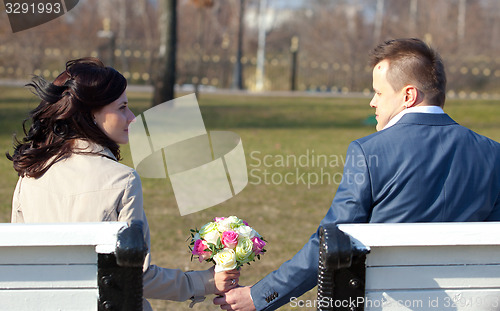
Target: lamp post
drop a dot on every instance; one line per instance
(259, 73)
(294, 49)
(107, 48)
(237, 74)
(200, 5)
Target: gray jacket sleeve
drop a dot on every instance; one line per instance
(158, 282)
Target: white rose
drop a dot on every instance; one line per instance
(229, 223)
(224, 225)
(212, 237)
(209, 233)
(244, 250)
(225, 260)
(234, 220)
(246, 231)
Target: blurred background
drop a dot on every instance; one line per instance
(290, 77)
(276, 45)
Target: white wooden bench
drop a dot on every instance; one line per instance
(71, 266)
(421, 266)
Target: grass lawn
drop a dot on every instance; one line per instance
(302, 138)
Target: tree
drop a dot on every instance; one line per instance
(165, 80)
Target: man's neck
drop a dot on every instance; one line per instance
(416, 109)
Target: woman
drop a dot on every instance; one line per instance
(69, 170)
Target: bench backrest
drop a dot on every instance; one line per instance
(70, 266)
(423, 266)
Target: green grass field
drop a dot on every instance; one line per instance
(282, 136)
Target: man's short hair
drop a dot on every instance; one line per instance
(411, 61)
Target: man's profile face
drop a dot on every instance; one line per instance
(386, 101)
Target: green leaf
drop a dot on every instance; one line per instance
(213, 248)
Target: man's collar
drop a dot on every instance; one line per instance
(418, 109)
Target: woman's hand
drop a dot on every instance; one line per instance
(225, 280)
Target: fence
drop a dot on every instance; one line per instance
(477, 77)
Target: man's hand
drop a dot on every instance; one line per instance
(225, 280)
(237, 299)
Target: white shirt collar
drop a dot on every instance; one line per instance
(419, 109)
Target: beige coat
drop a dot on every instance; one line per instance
(91, 188)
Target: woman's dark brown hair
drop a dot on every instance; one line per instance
(65, 114)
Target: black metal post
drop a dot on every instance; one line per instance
(237, 74)
(294, 49)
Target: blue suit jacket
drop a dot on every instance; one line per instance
(425, 168)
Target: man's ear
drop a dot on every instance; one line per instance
(410, 94)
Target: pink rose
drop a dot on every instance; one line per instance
(230, 239)
(217, 219)
(258, 245)
(199, 250)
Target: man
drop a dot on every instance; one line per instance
(421, 166)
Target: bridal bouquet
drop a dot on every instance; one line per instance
(228, 242)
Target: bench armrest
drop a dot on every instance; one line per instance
(120, 273)
(340, 272)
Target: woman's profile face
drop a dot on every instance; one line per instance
(114, 119)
